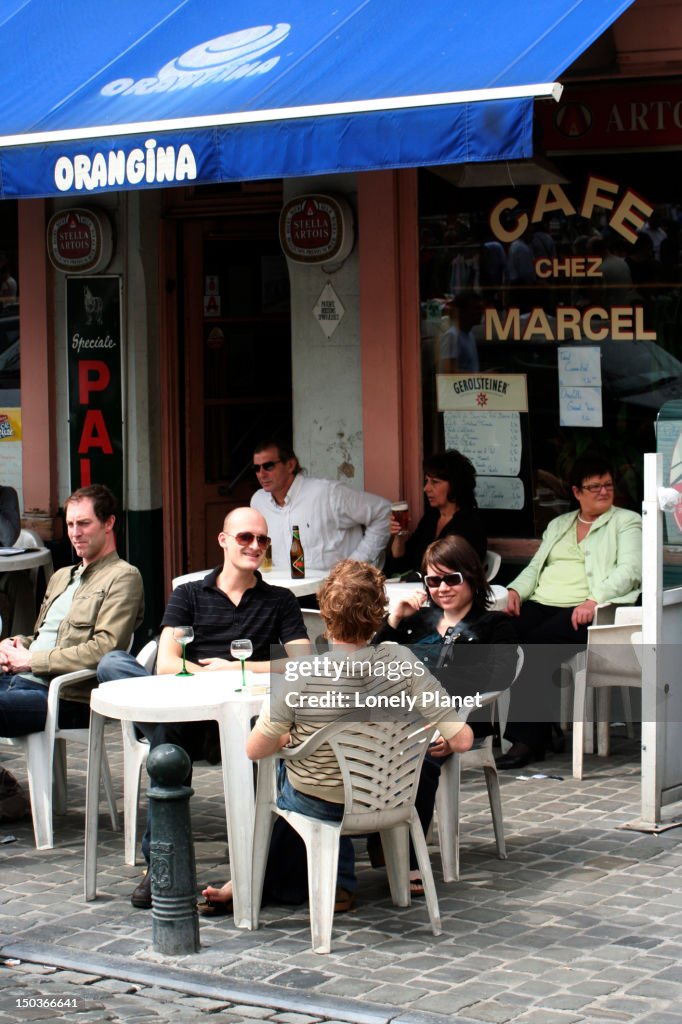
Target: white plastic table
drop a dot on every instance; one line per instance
(24, 615)
(399, 591)
(204, 697)
(310, 584)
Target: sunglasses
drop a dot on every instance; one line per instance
(267, 466)
(450, 579)
(246, 538)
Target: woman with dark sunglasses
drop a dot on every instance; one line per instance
(468, 648)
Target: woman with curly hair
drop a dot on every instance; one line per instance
(352, 605)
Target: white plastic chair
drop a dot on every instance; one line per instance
(604, 615)
(610, 660)
(448, 792)
(189, 577)
(135, 753)
(380, 763)
(314, 624)
(491, 564)
(46, 763)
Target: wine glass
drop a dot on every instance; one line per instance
(241, 649)
(183, 635)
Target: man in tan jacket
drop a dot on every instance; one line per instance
(89, 609)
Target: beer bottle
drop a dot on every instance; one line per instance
(296, 556)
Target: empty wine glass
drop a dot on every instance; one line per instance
(183, 635)
(241, 649)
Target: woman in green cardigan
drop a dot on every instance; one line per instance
(588, 557)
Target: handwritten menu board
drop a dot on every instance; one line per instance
(492, 440)
(500, 492)
(580, 403)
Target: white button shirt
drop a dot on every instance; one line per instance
(335, 522)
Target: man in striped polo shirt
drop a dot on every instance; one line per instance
(232, 602)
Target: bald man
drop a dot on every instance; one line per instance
(231, 603)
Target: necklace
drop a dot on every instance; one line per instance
(586, 522)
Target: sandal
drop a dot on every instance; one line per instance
(215, 908)
(211, 909)
(344, 900)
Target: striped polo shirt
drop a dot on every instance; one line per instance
(265, 615)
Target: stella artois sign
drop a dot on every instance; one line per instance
(79, 241)
(316, 229)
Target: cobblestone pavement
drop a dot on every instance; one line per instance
(583, 922)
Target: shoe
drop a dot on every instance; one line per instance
(416, 887)
(142, 893)
(518, 756)
(344, 901)
(375, 850)
(558, 739)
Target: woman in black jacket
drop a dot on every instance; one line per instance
(468, 648)
(449, 486)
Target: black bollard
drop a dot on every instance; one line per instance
(175, 924)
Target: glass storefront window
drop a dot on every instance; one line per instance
(575, 285)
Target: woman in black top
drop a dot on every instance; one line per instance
(468, 648)
(449, 486)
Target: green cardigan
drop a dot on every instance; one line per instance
(613, 557)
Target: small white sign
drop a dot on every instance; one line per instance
(500, 492)
(580, 367)
(328, 310)
(580, 407)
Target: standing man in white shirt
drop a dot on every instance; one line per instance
(335, 521)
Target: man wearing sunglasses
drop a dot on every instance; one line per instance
(335, 521)
(231, 603)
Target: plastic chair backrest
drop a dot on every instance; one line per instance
(491, 564)
(380, 761)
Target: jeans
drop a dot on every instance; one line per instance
(197, 739)
(23, 707)
(290, 799)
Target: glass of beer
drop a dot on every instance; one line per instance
(400, 512)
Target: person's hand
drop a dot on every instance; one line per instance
(439, 748)
(395, 528)
(583, 614)
(513, 604)
(218, 664)
(406, 607)
(15, 658)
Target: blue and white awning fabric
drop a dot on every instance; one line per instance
(151, 93)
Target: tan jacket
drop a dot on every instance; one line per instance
(106, 610)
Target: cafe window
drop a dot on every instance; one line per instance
(566, 293)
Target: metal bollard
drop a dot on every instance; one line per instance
(175, 923)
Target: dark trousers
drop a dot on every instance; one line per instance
(23, 708)
(546, 625)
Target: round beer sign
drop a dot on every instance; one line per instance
(316, 229)
(79, 241)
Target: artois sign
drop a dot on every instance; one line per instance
(79, 240)
(316, 229)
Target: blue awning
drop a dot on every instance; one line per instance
(150, 93)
